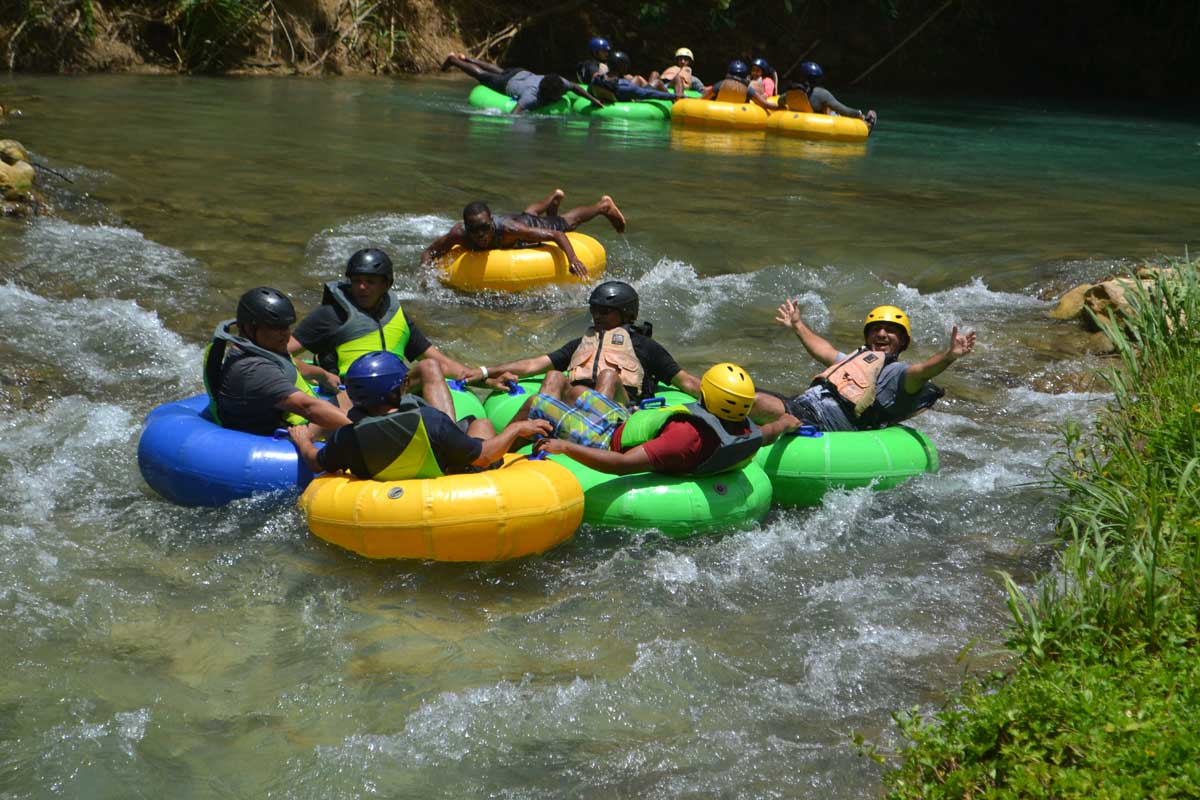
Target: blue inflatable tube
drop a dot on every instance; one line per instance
(192, 461)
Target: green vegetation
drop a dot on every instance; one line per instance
(1104, 699)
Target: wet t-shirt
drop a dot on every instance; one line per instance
(250, 387)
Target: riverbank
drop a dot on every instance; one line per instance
(1104, 699)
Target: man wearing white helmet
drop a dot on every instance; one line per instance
(869, 388)
(679, 76)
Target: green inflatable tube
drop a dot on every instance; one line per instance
(466, 403)
(648, 110)
(803, 468)
(678, 506)
(483, 97)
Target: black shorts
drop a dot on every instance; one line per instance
(546, 223)
(497, 81)
(792, 406)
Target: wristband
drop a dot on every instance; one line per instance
(484, 370)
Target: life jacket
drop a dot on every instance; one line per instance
(853, 380)
(361, 333)
(611, 349)
(732, 452)
(733, 90)
(796, 99)
(668, 74)
(396, 447)
(214, 357)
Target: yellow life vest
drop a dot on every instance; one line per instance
(214, 358)
(611, 349)
(853, 379)
(796, 99)
(733, 91)
(396, 447)
(361, 333)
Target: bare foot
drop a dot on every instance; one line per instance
(555, 200)
(609, 209)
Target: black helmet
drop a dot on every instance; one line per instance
(618, 62)
(738, 69)
(812, 71)
(618, 295)
(370, 262)
(265, 306)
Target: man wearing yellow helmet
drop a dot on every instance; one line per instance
(702, 438)
(678, 76)
(869, 388)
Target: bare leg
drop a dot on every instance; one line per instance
(429, 376)
(678, 86)
(547, 206)
(577, 216)
(481, 429)
(552, 386)
(456, 60)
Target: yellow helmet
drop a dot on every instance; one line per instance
(683, 51)
(888, 314)
(727, 392)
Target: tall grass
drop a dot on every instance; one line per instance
(1103, 699)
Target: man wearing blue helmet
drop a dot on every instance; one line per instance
(396, 436)
(597, 64)
(617, 85)
(735, 88)
(810, 98)
(762, 77)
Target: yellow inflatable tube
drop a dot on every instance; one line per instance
(522, 508)
(716, 114)
(821, 127)
(521, 268)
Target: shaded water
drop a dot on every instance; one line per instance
(148, 650)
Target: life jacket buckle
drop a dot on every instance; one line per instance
(809, 431)
(653, 402)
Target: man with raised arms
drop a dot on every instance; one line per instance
(540, 222)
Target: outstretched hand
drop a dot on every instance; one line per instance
(529, 428)
(550, 446)
(580, 270)
(788, 314)
(961, 345)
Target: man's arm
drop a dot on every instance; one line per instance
(759, 99)
(500, 444)
(627, 463)
(773, 430)
(517, 369)
(450, 368)
(301, 436)
(582, 92)
(454, 237)
(515, 231)
(918, 375)
(316, 411)
(817, 346)
(687, 382)
(313, 373)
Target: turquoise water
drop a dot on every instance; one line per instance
(148, 650)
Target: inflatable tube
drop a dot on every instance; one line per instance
(525, 507)
(483, 97)
(679, 506)
(522, 268)
(501, 407)
(648, 110)
(819, 127)
(803, 468)
(715, 114)
(192, 461)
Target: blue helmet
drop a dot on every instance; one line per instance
(374, 376)
(738, 68)
(599, 43)
(761, 63)
(811, 70)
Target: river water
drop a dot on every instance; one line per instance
(148, 650)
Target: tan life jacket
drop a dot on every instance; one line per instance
(796, 99)
(853, 378)
(733, 91)
(612, 349)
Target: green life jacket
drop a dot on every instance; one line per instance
(732, 452)
(214, 358)
(361, 333)
(396, 447)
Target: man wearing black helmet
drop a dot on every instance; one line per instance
(257, 387)
(808, 97)
(530, 90)
(361, 314)
(540, 222)
(735, 88)
(614, 357)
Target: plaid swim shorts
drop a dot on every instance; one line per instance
(590, 422)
